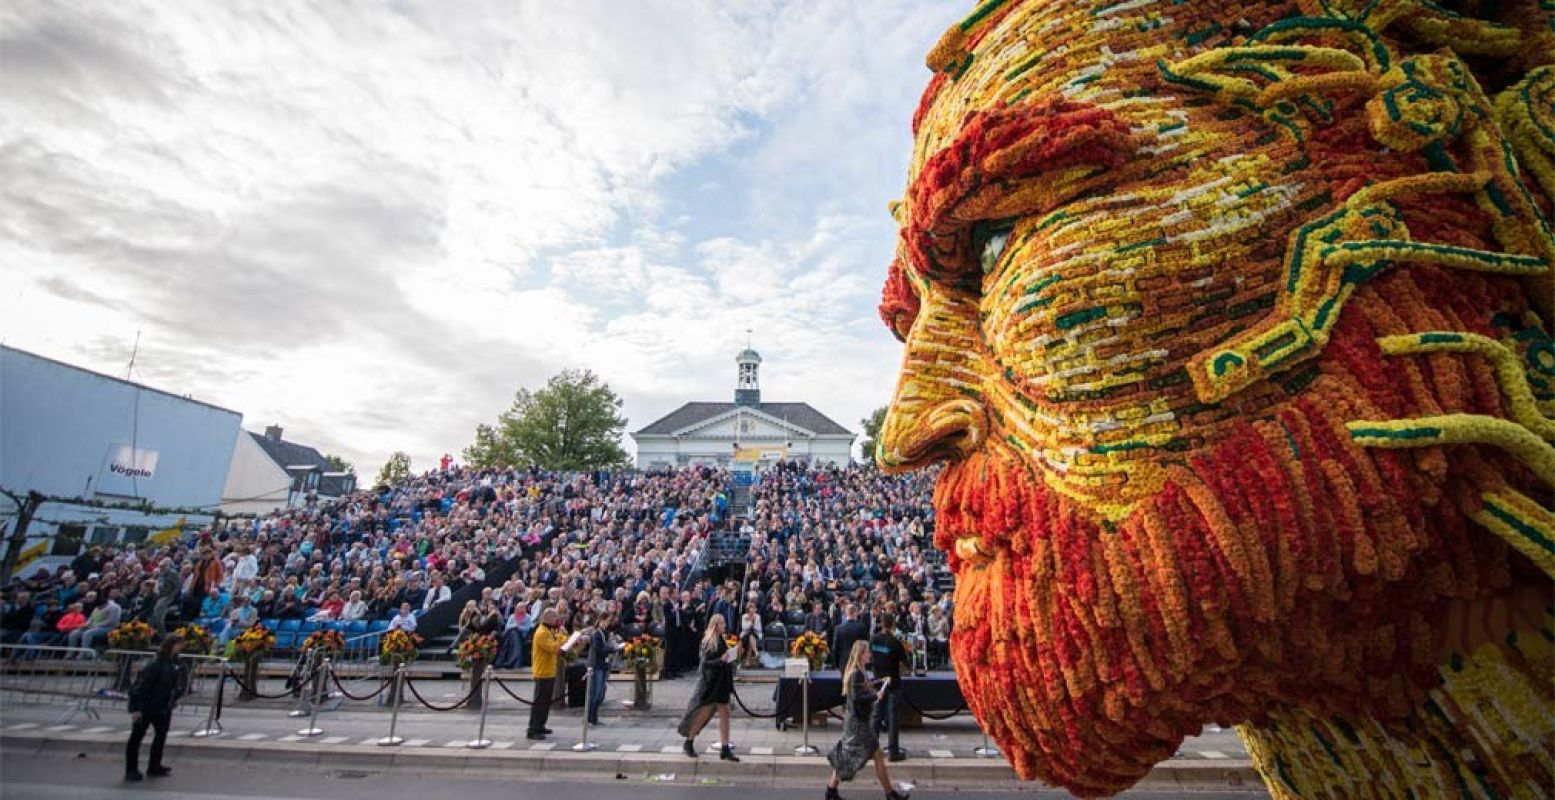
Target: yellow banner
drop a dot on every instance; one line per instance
(769, 452)
(168, 534)
(31, 554)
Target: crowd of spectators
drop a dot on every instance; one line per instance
(823, 541)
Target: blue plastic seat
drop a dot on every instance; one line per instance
(290, 626)
(378, 625)
(356, 627)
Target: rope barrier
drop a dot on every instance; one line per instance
(255, 692)
(501, 684)
(780, 712)
(411, 685)
(342, 687)
(926, 715)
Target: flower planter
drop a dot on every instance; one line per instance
(642, 690)
(250, 679)
(477, 675)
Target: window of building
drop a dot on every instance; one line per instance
(135, 534)
(105, 534)
(67, 540)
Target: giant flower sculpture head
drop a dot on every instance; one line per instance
(1232, 321)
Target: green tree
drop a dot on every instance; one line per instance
(338, 464)
(574, 422)
(872, 424)
(395, 470)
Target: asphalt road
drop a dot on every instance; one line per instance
(99, 777)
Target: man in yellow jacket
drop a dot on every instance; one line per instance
(547, 644)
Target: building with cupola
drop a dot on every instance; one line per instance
(747, 430)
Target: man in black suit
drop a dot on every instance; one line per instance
(851, 630)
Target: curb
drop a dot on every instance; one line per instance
(566, 765)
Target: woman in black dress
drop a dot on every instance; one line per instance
(860, 742)
(714, 685)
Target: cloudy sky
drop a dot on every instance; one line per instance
(372, 222)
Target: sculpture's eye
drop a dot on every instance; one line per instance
(989, 241)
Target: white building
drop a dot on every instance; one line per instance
(269, 472)
(119, 461)
(747, 430)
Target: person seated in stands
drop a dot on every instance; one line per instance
(291, 607)
(240, 618)
(17, 617)
(436, 593)
(268, 607)
(104, 619)
(750, 638)
(330, 609)
(354, 609)
(215, 604)
(817, 621)
(405, 620)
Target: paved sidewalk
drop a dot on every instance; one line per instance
(632, 742)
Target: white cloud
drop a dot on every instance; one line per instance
(373, 222)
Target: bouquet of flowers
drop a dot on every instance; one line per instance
(481, 648)
(642, 651)
(731, 640)
(197, 638)
(253, 643)
(328, 642)
(810, 646)
(398, 647)
(132, 635)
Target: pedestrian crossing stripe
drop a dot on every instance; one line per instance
(629, 748)
(417, 742)
(501, 745)
(761, 751)
(60, 728)
(543, 746)
(22, 726)
(369, 740)
(941, 754)
(253, 737)
(292, 738)
(1213, 754)
(100, 729)
(458, 743)
(334, 740)
(669, 748)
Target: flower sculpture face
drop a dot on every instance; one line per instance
(1233, 321)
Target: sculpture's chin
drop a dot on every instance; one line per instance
(1019, 649)
(1089, 652)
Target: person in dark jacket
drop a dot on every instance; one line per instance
(849, 631)
(151, 704)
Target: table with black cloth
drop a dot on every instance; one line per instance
(937, 693)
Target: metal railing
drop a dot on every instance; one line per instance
(33, 674)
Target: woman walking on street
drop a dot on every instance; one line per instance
(714, 685)
(151, 704)
(860, 742)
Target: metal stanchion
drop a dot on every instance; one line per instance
(480, 741)
(302, 697)
(313, 728)
(987, 750)
(806, 749)
(212, 723)
(586, 746)
(394, 716)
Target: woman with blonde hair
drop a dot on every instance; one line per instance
(860, 742)
(714, 685)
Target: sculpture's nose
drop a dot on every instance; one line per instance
(937, 413)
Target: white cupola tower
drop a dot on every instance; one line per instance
(747, 391)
